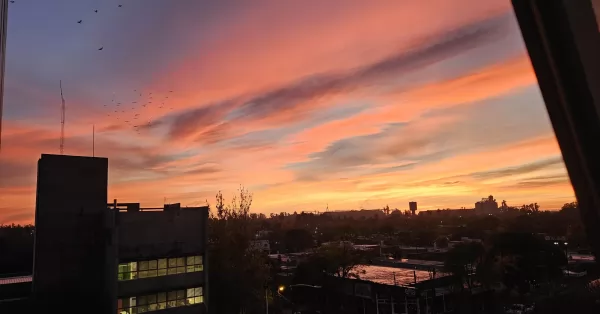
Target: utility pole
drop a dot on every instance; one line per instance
(3, 32)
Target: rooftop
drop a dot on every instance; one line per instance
(13, 280)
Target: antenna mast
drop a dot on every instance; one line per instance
(3, 20)
(62, 121)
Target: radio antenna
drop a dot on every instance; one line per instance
(62, 120)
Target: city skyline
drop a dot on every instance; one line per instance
(306, 104)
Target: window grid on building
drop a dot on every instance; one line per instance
(160, 301)
(160, 267)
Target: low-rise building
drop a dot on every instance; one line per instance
(112, 258)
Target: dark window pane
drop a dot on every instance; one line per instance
(180, 294)
(172, 295)
(151, 298)
(161, 297)
(143, 300)
(171, 304)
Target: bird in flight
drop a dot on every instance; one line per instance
(79, 22)
(101, 48)
(96, 11)
(120, 5)
(12, 2)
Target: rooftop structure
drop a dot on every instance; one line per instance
(129, 258)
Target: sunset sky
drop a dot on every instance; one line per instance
(348, 103)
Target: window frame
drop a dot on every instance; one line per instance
(562, 41)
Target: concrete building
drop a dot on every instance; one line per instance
(412, 206)
(487, 206)
(118, 257)
(261, 245)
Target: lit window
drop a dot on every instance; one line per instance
(127, 271)
(160, 301)
(159, 267)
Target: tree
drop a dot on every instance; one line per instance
(237, 274)
(462, 262)
(570, 209)
(441, 242)
(386, 209)
(298, 240)
(335, 260)
(523, 258)
(16, 248)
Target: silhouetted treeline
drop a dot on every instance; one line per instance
(16, 249)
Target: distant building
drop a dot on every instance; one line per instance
(261, 245)
(118, 257)
(356, 214)
(447, 212)
(487, 206)
(412, 206)
(261, 234)
(451, 244)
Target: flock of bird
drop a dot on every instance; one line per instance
(130, 112)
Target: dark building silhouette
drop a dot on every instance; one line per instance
(96, 257)
(487, 206)
(70, 258)
(412, 206)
